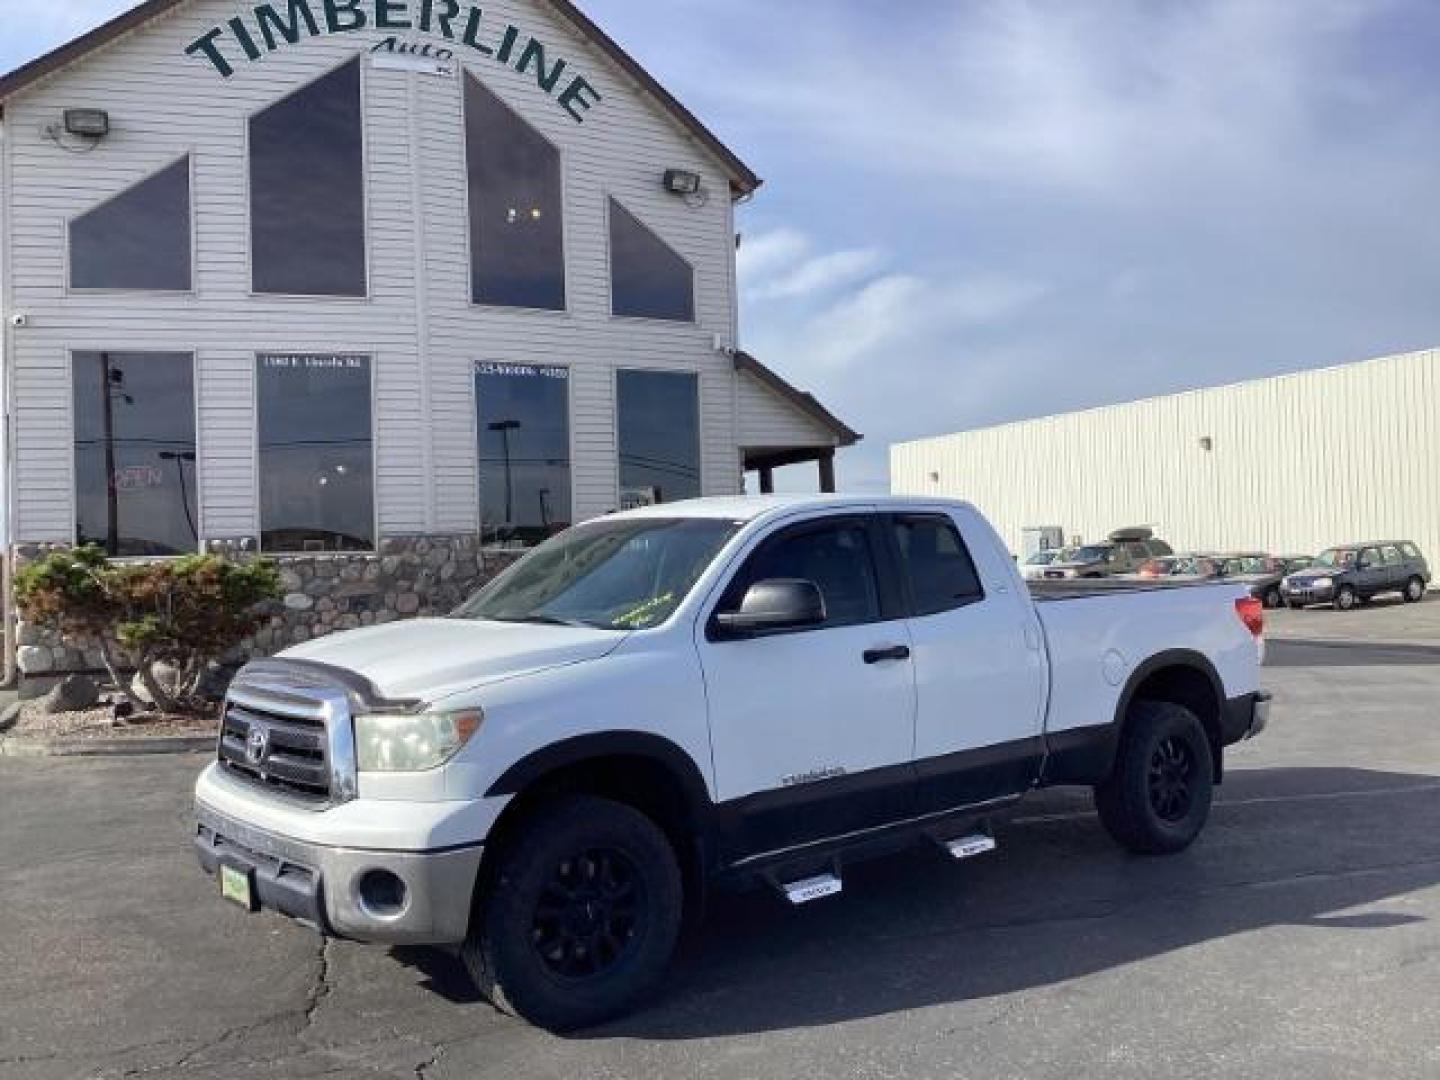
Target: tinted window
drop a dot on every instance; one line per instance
(1390, 555)
(659, 436)
(939, 570)
(138, 240)
(307, 191)
(523, 422)
(648, 280)
(316, 471)
(517, 249)
(835, 557)
(1410, 551)
(135, 452)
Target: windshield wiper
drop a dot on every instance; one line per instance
(549, 620)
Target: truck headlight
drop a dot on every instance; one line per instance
(413, 742)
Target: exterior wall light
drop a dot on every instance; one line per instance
(87, 123)
(682, 182)
(1207, 443)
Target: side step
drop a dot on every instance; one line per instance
(967, 847)
(811, 888)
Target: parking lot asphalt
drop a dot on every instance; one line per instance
(1385, 619)
(1299, 938)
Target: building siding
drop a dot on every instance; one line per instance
(1299, 463)
(767, 421)
(417, 322)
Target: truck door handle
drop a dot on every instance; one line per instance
(894, 652)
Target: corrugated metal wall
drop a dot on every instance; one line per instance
(1297, 463)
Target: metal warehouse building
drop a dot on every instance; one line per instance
(1288, 464)
(389, 289)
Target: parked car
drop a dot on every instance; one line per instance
(1353, 573)
(1264, 574)
(1125, 552)
(1034, 567)
(552, 777)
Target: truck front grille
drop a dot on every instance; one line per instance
(288, 731)
(286, 752)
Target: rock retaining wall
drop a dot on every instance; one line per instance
(410, 577)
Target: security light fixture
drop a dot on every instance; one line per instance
(682, 182)
(1207, 443)
(87, 123)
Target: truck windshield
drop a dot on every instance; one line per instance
(611, 575)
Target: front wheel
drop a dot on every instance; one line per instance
(1414, 590)
(582, 916)
(1273, 599)
(1158, 798)
(1346, 599)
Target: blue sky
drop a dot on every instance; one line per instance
(982, 211)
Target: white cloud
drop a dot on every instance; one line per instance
(821, 274)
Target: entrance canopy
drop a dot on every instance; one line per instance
(782, 425)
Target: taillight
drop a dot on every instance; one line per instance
(1252, 613)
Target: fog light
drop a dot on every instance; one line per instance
(382, 894)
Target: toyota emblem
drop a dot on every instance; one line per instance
(257, 745)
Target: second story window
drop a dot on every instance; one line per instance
(517, 245)
(140, 239)
(648, 279)
(307, 190)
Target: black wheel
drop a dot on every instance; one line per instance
(1415, 590)
(581, 917)
(1272, 598)
(1158, 798)
(1346, 599)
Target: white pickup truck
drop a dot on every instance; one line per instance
(714, 692)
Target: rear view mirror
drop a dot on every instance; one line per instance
(774, 604)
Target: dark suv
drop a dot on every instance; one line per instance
(1348, 575)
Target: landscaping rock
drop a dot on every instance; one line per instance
(74, 693)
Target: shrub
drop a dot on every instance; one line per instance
(174, 615)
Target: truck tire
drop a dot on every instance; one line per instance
(581, 916)
(1158, 798)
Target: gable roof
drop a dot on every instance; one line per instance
(805, 402)
(743, 180)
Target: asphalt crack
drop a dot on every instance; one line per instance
(320, 988)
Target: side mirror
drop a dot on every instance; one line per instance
(774, 604)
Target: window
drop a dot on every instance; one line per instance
(140, 239)
(316, 466)
(613, 575)
(836, 557)
(1390, 556)
(523, 423)
(648, 280)
(659, 436)
(936, 565)
(135, 452)
(517, 245)
(307, 191)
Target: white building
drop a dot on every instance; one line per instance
(1291, 464)
(329, 278)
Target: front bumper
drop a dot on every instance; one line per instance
(1314, 593)
(322, 885)
(1246, 717)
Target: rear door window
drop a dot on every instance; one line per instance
(937, 568)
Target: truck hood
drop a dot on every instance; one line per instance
(428, 659)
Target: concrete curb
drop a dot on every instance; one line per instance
(140, 746)
(1415, 644)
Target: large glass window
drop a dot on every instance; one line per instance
(517, 246)
(316, 465)
(659, 435)
(648, 280)
(140, 239)
(523, 424)
(135, 452)
(307, 190)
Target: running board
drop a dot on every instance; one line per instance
(811, 888)
(967, 847)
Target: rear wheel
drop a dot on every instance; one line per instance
(1414, 590)
(1158, 798)
(582, 916)
(1346, 599)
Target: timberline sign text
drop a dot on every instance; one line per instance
(272, 26)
